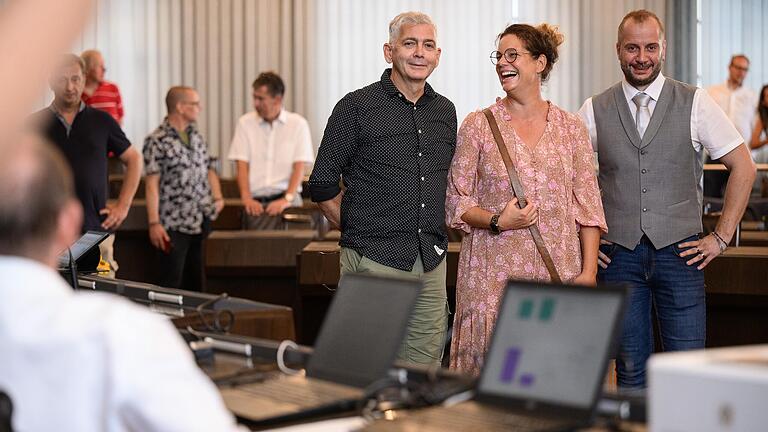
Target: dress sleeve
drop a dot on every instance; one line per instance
(587, 203)
(462, 176)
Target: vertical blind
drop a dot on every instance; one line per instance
(326, 48)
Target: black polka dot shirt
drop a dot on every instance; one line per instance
(392, 156)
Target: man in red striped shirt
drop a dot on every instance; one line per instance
(98, 93)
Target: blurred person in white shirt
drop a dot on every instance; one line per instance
(81, 361)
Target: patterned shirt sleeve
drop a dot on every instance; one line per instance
(152, 156)
(337, 147)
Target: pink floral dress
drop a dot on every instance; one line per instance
(558, 174)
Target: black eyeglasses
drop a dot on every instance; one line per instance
(510, 55)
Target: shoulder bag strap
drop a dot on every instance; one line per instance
(517, 189)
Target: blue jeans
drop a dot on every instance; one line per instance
(659, 279)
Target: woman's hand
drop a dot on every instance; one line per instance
(514, 218)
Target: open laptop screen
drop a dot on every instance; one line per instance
(551, 343)
(363, 329)
(84, 244)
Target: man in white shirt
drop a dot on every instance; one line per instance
(649, 132)
(740, 105)
(271, 147)
(81, 362)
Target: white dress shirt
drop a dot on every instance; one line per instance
(710, 127)
(271, 150)
(740, 105)
(95, 362)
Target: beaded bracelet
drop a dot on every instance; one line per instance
(722, 244)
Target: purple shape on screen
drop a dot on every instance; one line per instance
(526, 380)
(510, 365)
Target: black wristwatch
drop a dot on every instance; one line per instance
(494, 225)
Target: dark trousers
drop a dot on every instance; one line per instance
(184, 266)
(659, 279)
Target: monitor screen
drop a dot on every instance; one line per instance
(551, 343)
(87, 241)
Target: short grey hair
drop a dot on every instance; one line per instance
(408, 18)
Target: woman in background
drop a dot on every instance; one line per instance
(760, 138)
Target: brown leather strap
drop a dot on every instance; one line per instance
(517, 189)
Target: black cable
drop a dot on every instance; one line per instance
(72, 270)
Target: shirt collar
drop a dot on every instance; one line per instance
(52, 107)
(391, 90)
(653, 90)
(168, 128)
(282, 117)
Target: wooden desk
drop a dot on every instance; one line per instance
(265, 248)
(257, 265)
(754, 238)
(737, 297)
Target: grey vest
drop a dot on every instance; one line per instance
(649, 186)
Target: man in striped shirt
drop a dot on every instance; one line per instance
(98, 93)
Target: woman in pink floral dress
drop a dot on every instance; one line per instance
(552, 154)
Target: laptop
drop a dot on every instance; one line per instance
(355, 348)
(83, 251)
(545, 367)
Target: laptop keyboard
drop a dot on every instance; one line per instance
(301, 392)
(467, 417)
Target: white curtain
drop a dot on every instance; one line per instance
(731, 27)
(344, 47)
(327, 48)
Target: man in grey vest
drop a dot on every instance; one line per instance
(649, 132)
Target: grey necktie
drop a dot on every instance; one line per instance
(643, 115)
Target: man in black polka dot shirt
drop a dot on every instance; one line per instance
(391, 143)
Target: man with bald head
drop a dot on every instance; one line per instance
(85, 136)
(98, 92)
(649, 132)
(183, 191)
(81, 361)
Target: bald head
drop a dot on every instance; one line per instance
(37, 188)
(94, 65)
(176, 95)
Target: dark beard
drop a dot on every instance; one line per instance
(634, 82)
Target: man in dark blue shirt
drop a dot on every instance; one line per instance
(391, 143)
(85, 136)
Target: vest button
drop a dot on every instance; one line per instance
(645, 209)
(642, 152)
(645, 190)
(643, 171)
